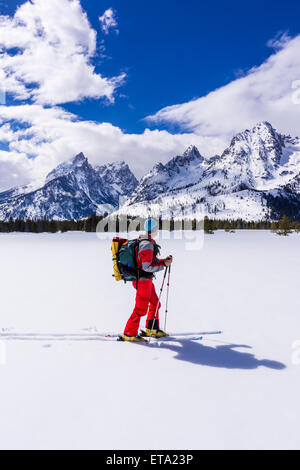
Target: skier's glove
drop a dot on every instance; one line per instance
(168, 260)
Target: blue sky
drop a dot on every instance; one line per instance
(164, 58)
(174, 51)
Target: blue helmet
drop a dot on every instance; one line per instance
(150, 225)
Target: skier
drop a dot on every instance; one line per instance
(146, 298)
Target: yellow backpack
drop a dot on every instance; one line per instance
(115, 247)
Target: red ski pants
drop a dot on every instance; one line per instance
(145, 302)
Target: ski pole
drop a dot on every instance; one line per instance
(167, 299)
(161, 289)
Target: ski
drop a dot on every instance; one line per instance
(177, 337)
(158, 340)
(121, 338)
(173, 336)
(21, 336)
(200, 333)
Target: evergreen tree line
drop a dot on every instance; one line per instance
(283, 226)
(116, 224)
(51, 226)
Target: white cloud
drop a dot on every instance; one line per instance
(46, 53)
(15, 169)
(108, 21)
(279, 41)
(52, 135)
(265, 93)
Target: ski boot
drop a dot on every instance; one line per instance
(152, 329)
(133, 339)
(155, 333)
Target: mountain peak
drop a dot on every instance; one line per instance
(191, 156)
(263, 125)
(262, 132)
(66, 167)
(254, 156)
(264, 129)
(192, 152)
(116, 166)
(118, 176)
(79, 159)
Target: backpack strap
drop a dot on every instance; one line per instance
(137, 257)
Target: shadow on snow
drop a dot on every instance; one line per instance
(223, 356)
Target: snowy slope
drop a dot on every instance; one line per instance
(238, 184)
(236, 390)
(73, 190)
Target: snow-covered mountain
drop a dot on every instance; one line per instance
(73, 190)
(256, 177)
(118, 178)
(178, 173)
